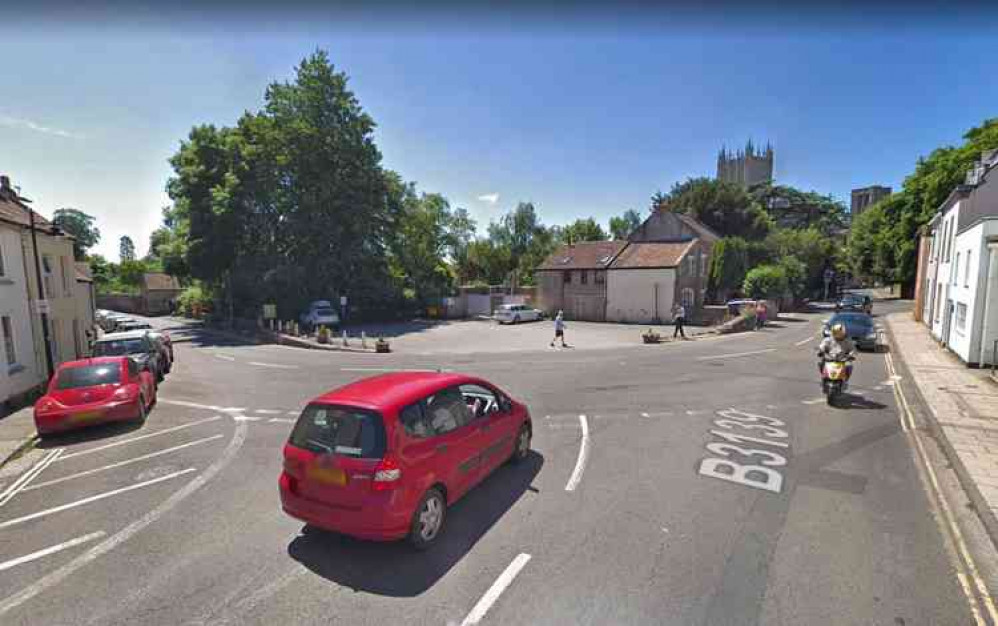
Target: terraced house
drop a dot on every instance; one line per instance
(22, 258)
(663, 262)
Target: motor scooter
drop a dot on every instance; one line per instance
(835, 374)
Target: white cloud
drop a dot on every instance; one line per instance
(491, 198)
(13, 122)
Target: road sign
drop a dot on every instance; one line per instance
(42, 307)
(343, 300)
(269, 311)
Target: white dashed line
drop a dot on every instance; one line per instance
(813, 401)
(804, 341)
(27, 558)
(580, 463)
(268, 411)
(246, 418)
(281, 420)
(224, 357)
(505, 579)
(274, 365)
(735, 354)
(99, 496)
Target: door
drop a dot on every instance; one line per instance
(947, 321)
(494, 438)
(455, 441)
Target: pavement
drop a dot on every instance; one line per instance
(963, 405)
(700, 482)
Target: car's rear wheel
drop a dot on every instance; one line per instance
(428, 520)
(141, 418)
(516, 319)
(522, 445)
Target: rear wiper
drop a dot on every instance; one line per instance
(319, 444)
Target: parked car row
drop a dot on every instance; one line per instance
(516, 313)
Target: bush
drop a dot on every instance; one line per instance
(192, 301)
(766, 281)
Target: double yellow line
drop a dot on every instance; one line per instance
(981, 603)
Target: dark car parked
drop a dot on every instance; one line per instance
(855, 302)
(859, 328)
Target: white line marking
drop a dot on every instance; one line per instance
(803, 341)
(55, 577)
(224, 357)
(52, 550)
(274, 365)
(282, 420)
(645, 415)
(99, 496)
(295, 413)
(193, 405)
(580, 463)
(505, 579)
(813, 401)
(268, 412)
(140, 437)
(246, 418)
(144, 457)
(367, 369)
(735, 354)
(29, 475)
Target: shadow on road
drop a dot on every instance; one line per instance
(852, 401)
(394, 569)
(90, 433)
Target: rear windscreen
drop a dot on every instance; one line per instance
(119, 347)
(89, 376)
(340, 430)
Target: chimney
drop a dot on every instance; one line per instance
(4, 182)
(5, 189)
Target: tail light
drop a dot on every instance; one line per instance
(127, 392)
(292, 466)
(386, 475)
(45, 404)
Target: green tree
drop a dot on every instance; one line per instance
(814, 249)
(789, 207)
(724, 207)
(81, 226)
(583, 230)
(524, 242)
(130, 272)
(729, 262)
(126, 249)
(766, 281)
(622, 226)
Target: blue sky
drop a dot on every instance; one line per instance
(581, 120)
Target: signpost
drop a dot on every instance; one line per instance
(343, 309)
(269, 311)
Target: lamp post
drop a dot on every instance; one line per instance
(41, 297)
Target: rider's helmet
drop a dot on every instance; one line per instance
(838, 332)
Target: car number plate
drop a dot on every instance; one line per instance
(86, 416)
(327, 475)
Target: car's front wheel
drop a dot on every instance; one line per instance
(428, 520)
(522, 445)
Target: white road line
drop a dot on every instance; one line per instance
(29, 475)
(224, 357)
(144, 457)
(295, 413)
(193, 405)
(51, 550)
(505, 579)
(246, 418)
(268, 412)
(580, 463)
(645, 415)
(122, 442)
(282, 420)
(57, 576)
(99, 496)
(735, 354)
(803, 341)
(813, 401)
(367, 369)
(274, 365)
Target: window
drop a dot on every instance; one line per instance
(47, 275)
(584, 277)
(966, 270)
(599, 277)
(77, 339)
(961, 316)
(954, 270)
(414, 421)
(88, 376)
(340, 430)
(133, 368)
(568, 277)
(447, 411)
(689, 298)
(479, 400)
(2, 271)
(8, 339)
(703, 263)
(65, 277)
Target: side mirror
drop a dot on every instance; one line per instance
(505, 404)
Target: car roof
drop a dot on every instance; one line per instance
(97, 360)
(128, 334)
(396, 389)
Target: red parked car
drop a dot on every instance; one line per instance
(92, 391)
(383, 457)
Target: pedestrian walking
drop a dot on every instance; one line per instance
(761, 311)
(559, 329)
(678, 319)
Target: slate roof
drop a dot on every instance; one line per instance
(649, 255)
(583, 256)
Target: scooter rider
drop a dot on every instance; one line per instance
(836, 347)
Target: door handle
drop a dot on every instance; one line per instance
(442, 447)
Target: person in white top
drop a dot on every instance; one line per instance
(678, 319)
(559, 330)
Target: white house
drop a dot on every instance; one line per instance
(961, 271)
(19, 367)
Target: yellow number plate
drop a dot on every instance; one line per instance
(86, 416)
(327, 475)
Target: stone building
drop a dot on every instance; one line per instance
(746, 167)
(866, 197)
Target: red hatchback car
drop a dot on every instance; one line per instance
(92, 391)
(383, 457)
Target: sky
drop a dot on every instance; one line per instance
(584, 117)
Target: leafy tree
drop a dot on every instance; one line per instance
(81, 226)
(766, 281)
(729, 262)
(792, 208)
(622, 226)
(724, 207)
(814, 249)
(126, 249)
(796, 272)
(583, 230)
(130, 272)
(524, 242)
